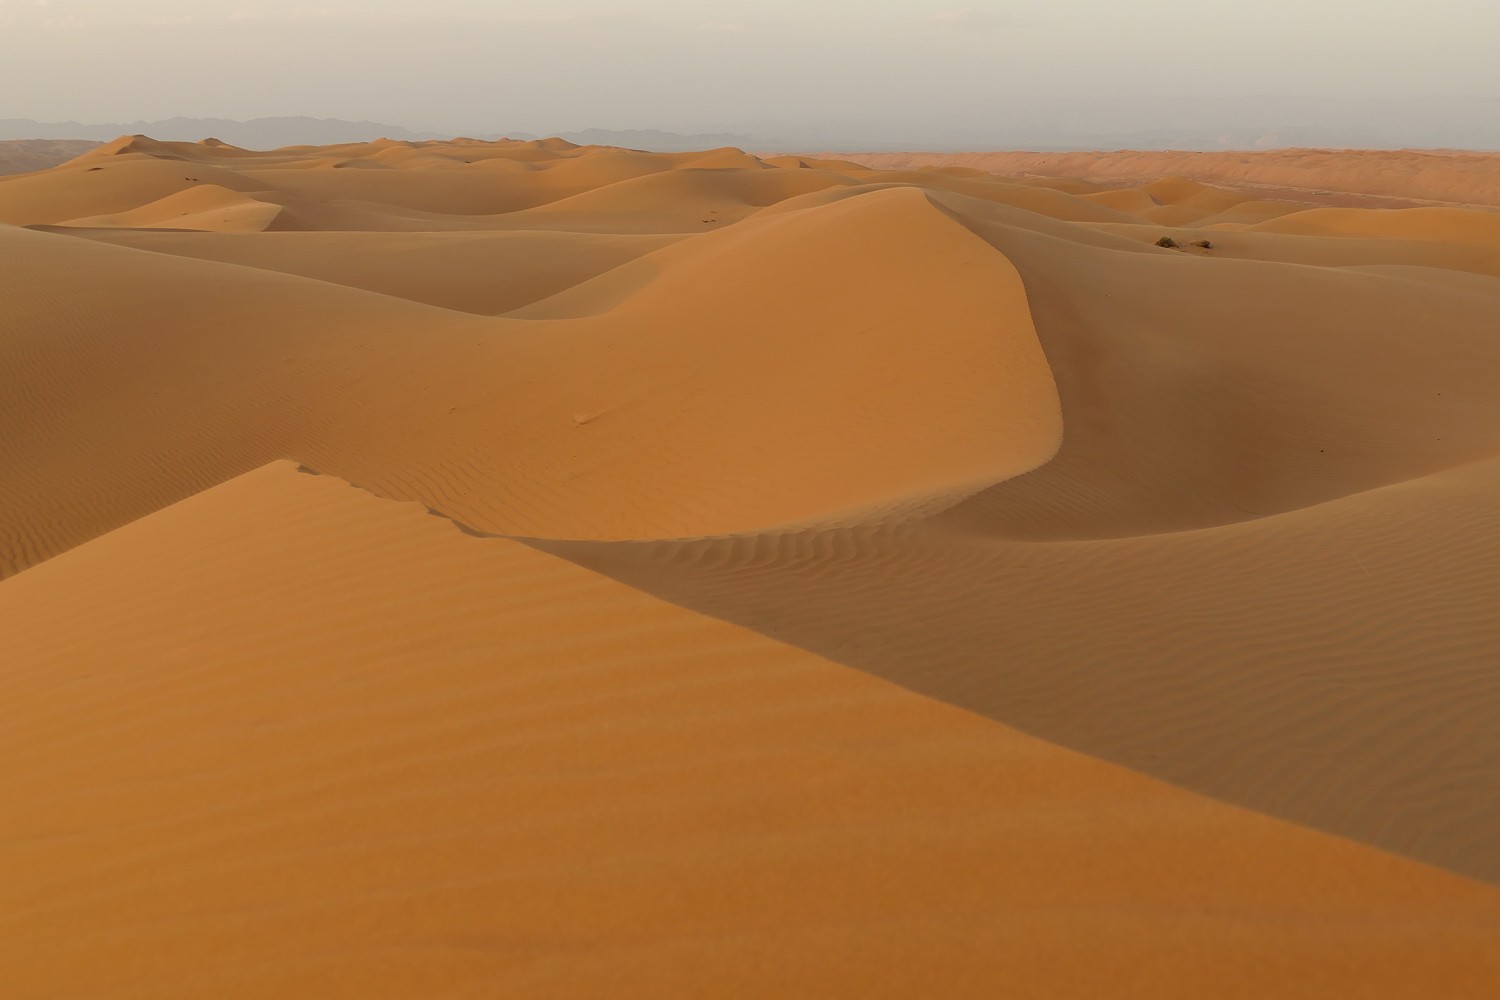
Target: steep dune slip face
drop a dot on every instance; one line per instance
(846, 582)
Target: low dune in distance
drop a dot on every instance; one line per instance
(535, 570)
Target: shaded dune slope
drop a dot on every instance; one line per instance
(285, 738)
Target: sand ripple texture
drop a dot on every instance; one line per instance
(845, 582)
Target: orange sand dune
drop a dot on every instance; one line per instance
(1183, 491)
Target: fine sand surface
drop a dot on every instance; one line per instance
(1363, 178)
(844, 583)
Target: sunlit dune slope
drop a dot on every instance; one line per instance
(1172, 479)
(285, 738)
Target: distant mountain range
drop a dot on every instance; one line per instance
(257, 133)
(270, 133)
(1043, 126)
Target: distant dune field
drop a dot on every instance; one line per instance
(520, 569)
(1355, 178)
(23, 156)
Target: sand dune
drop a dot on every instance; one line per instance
(202, 208)
(1166, 508)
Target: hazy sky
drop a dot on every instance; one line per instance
(475, 65)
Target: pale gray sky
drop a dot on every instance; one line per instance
(476, 65)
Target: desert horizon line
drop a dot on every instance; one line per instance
(1061, 126)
